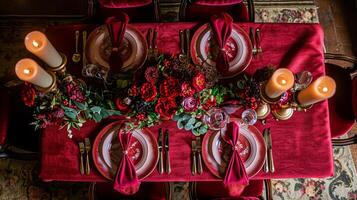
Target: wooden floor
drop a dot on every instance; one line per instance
(339, 21)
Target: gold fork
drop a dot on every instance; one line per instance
(81, 151)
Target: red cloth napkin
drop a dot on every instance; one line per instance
(235, 172)
(126, 180)
(222, 29)
(116, 27)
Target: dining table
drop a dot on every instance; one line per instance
(301, 145)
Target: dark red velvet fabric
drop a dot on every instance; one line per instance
(235, 172)
(354, 96)
(147, 191)
(123, 3)
(222, 28)
(126, 180)
(116, 27)
(216, 2)
(301, 145)
(342, 117)
(4, 114)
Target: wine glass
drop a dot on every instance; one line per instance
(249, 117)
(216, 118)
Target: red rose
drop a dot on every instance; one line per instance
(209, 103)
(166, 107)
(170, 87)
(187, 90)
(121, 105)
(151, 74)
(199, 82)
(28, 94)
(148, 92)
(133, 91)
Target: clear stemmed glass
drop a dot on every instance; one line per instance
(216, 118)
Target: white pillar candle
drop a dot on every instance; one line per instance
(38, 44)
(28, 70)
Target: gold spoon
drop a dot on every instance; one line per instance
(76, 56)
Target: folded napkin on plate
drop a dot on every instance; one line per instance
(235, 172)
(222, 29)
(116, 27)
(126, 180)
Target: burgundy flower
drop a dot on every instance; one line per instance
(148, 92)
(141, 116)
(74, 92)
(121, 106)
(210, 103)
(151, 74)
(28, 94)
(56, 114)
(199, 82)
(170, 87)
(187, 90)
(166, 63)
(133, 91)
(190, 104)
(166, 107)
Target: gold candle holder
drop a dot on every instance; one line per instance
(263, 110)
(52, 87)
(61, 69)
(283, 113)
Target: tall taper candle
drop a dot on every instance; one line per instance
(279, 82)
(319, 90)
(28, 70)
(37, 43)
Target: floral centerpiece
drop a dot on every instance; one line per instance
(171, 89)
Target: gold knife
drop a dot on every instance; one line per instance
(87, 147)
(167, 154)
(252, 40)
(266, 166)
(161, 162)
(258, 40)
(271, 160)
(199, 159)
(81, 152)
(193, 165)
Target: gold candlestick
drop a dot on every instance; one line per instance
(262, 111)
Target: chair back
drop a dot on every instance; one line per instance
(342, 104)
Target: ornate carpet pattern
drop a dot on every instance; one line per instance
(19, 179)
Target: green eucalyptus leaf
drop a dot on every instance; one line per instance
(96, 109)
(202, 130)
(176, 117)
(70, 114)
(180, 124)
(188, 127)
(198, 124)
(81, 106)
(196, 132)
(97, 117)
(186, 117)
(191, 121)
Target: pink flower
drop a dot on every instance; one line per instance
(151, 74)
(190, 104)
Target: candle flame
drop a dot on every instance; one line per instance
(27, 71)
(35, 44)
(283, 82)
(324, 89)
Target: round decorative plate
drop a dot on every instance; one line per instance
(252, 150)
(107, 152)
(133, 50)
(204, 49)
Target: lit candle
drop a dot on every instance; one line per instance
(279, 82)
(28, 70)
(321, 89)
(38, 44)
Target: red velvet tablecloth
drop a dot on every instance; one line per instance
(301, 145)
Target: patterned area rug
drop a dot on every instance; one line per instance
(19, 179)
